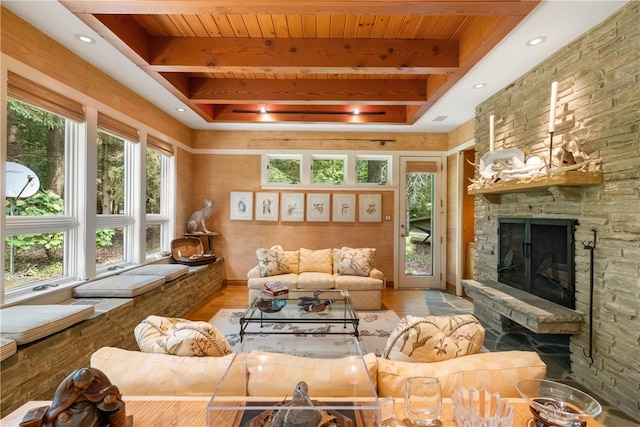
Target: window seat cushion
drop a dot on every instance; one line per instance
(7, 348)
(120, 286)
(168, 271)
(27, 323)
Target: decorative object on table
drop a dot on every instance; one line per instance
(189, 251)
(85, 398)
(555, 404)
(274, 289)
(199, 218)
(423, 400)
(241, 205)
(314, 303)
(300, 411)
(472, 407)
(270, 305)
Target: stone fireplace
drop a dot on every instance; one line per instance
(537, 256)
(598, 108)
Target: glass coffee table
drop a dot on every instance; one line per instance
(283, 315)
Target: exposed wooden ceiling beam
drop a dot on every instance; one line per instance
(393, 7)
(374, 92)
(243, 55)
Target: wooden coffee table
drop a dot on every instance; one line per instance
(192, 412)
(340, 311)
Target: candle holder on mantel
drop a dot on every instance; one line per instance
(550, 151)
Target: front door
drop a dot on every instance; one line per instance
(421, 217)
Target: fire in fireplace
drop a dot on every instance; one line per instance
(537, 256)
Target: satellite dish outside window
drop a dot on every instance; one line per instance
(21, 181)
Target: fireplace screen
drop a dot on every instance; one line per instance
(537, 256)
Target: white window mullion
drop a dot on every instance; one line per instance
(167, 202)
(134, 206)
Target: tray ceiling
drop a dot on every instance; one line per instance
(380, 61)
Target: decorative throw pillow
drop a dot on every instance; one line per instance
(272, 261)
(355, 262)
(434, 338)
(316, 261)
(180, 337)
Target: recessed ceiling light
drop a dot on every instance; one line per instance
(182, 110)
(356, 111)
(479, 85)
(85, 39)
(536, 41)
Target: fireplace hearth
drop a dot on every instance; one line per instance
(537, 256)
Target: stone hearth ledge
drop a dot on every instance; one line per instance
(534, 313)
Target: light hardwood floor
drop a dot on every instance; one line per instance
(403, 302)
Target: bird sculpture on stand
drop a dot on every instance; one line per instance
(288, 417)
(314, 304)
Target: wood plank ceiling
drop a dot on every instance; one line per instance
(376, 61)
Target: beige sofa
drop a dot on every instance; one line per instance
(147, 374)
(306, 269)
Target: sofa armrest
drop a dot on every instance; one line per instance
(254, 273)
(376, 274)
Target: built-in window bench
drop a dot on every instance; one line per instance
(494, 302)
(42, 356)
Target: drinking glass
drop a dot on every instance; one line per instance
(423, 400)
(388, 413)
(480, 408)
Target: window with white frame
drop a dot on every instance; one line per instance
(373, 170)
(51, 233)
(328, 169)
(284, 169)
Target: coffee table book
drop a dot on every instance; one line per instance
(354, 404)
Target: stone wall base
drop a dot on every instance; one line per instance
(36, 370)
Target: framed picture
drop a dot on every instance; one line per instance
(267, 206)
(241, 206)
(292, 207)
(344, 207)
(317, 206)
(370, 207)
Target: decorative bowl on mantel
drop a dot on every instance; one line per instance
(555, 404)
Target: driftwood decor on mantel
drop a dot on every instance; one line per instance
(493, 191)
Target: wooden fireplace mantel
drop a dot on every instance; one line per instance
(493, 192)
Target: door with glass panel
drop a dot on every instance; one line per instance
(421, 214)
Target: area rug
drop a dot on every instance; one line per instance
(374, 327)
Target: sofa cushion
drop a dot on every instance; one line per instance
(272, 261)
(293, 259)
(313, 280)
(357, 283)
(143, 374)
(316, 260)
(168, 271)
(27, 323)
(290, 280)
(434, 338)
(322, 375)
(355, 262)
(498, 372)
(120, 286)
(180, 337)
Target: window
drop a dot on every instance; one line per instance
(372, 170)
(328, 170)
(284, 169)
(75, 208)
(35, 199)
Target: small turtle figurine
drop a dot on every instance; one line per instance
(286, 417)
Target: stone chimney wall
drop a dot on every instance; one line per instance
(599, 107)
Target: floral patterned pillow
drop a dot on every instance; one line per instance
(180, 337)
(434, 338)
(355, 262)
(272, 261)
